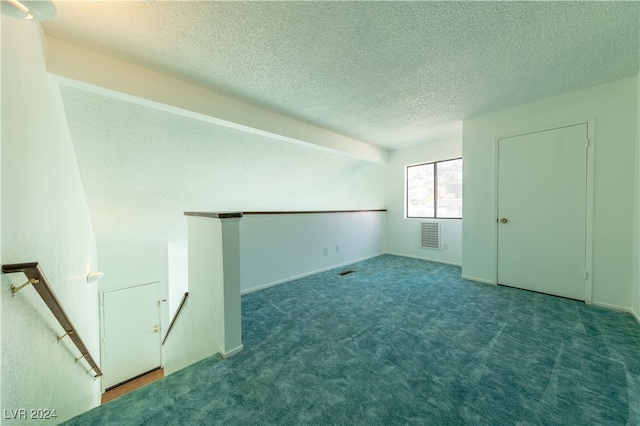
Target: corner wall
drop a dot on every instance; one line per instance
(45, 218)
(403, 235)
(614, 107)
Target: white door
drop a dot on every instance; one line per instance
(131, 332)
(542, 184)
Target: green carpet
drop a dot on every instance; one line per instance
(404, 341)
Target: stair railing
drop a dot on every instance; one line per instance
(40, 283)
(175, 317)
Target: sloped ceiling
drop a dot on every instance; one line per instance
(390, 74)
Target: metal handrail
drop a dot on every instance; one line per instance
(41, 284)
(175, 317)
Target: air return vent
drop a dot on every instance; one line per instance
(430, 235)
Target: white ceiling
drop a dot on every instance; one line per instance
(387, 73)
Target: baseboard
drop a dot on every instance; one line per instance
(425, 258)
(306, 274)
(617, 308)
(232, 352)
(478, 280)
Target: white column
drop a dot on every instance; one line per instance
(214, 282)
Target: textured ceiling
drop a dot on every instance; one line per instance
(387, 73)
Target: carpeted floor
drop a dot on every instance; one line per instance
(404, 341)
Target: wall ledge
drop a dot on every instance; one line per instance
(227, 215)
(315, 212)
(215, 215)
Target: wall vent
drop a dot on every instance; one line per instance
(430, 235)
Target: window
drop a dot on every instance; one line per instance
(434, 190)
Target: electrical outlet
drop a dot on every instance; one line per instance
(337, 247)
(326, 251)
(445, 246)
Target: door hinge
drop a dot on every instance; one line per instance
(587, 142)
(586, 275)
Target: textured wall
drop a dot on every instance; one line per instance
(45, 219)
(614, 107)
(403, 234)
(142, 168)
(133, 264)
(277, 248)
(178, 280)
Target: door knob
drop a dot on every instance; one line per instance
(504, 220)
(155, 328)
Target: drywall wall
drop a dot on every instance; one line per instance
(44, 219)
(129, 265)
(403, 235)
(142, 168)
(281, 247)
(182, 335)
(178, 280)
(210, 321)
(613, 105)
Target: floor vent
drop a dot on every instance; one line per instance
(430, 235)
(343, 273)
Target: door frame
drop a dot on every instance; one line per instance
(590, 122)
(101, 313)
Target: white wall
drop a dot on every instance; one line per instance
(403, 235)
(129, 265)
(614, 107)
(282, 247)
(183, 334)
(178, 280)
(210, 321)
(45, 219)
(139, 181)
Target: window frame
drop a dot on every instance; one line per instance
(435, 189)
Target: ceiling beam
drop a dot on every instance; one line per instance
(86, 69)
